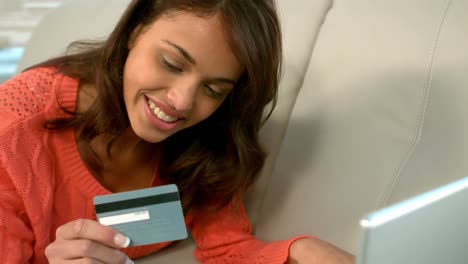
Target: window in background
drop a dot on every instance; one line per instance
(18, 18)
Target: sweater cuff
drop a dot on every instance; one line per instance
(279, 253)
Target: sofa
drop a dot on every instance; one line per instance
(372, 110)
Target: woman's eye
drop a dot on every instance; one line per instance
(213, 93)
(171, 67)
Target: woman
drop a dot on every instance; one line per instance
(176, 94)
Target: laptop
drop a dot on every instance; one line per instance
(431, 228)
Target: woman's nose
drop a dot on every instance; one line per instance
(181, 96)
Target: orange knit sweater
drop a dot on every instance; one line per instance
(44, 183)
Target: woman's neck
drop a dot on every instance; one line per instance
(130, 165)
(130, 162)
(126, 148)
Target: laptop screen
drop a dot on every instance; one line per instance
(431, 228)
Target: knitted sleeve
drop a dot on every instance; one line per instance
(16, 238)
(23, 101)
(225, 237)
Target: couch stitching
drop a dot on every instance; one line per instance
(424, 100)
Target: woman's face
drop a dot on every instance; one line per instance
(178, 72)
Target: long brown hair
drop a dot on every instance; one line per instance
(219, 158)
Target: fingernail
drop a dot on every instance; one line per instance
(129, 261)
(122, 240)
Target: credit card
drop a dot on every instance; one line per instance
(146, 216)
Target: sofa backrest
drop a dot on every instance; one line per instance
(73, 20)
(381, 116)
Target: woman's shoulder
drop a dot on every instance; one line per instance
(24, 100)
(28, 91)
(31, 92)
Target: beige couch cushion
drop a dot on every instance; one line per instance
(380, 117)
(74, 20)
(442, 148)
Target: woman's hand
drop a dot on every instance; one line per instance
(316, 251)
(87, 241)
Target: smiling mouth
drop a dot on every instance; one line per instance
(160, 114)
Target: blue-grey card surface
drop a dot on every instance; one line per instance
(146, 216)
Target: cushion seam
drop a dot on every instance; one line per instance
(422, 113)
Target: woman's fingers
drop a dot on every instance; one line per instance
(82, 261)
(87, 241)
(78, 249)
(92, 230)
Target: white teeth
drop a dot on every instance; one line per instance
(160, 114)
(156, 110)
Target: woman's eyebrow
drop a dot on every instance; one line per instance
(223, 80)
(182, 51)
